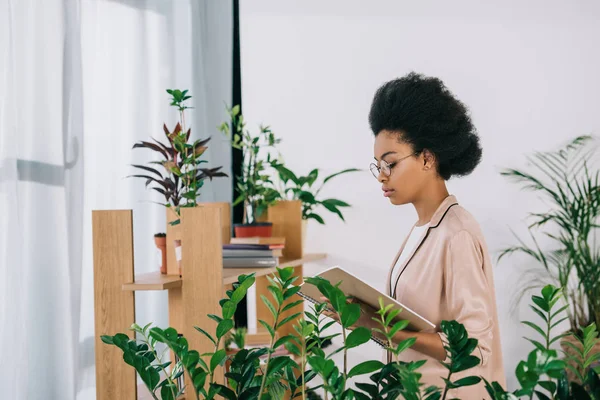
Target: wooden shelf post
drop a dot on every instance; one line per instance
(202, 265)
(114, 309)
(286, 217)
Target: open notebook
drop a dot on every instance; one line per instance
(353, 286)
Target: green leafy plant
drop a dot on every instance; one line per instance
(256, 374)
(564, 179)
(199, 367)
(584, 357)
(281, 288)
(236, 336)
(254, 185)
(399, 378)
(144, 356)
(304, 188)
(543, 372)
(179, 174)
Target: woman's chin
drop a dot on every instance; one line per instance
(397, 200)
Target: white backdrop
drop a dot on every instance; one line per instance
(80, 82)
(528, 71)
(132, 52)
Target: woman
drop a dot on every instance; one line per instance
(423, 137)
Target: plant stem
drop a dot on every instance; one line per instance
(303, 370)
(345, 352)
(390, 343)
(152, 393)
(212, 373)
(446, 387)
(171, 383)
(264, 379)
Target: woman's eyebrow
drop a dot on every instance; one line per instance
(387, 153)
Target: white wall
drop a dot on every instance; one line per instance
(527, 71)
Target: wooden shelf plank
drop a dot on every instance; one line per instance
(230, 274)
(158, 281)
(153, 281)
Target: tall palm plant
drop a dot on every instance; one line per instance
(566, 179)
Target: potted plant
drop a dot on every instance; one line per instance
(566, 182)
(540, 374)
(256, 190)
(304, 188)
(160, 239)
(179, 173)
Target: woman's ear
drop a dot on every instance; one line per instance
(428, 160)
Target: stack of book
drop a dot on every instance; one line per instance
(253, 252)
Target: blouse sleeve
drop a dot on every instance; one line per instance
(467, 295)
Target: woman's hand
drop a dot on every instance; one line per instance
(366, 314)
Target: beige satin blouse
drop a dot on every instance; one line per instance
(448, 276)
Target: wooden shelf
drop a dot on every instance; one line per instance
(230, 274)
(153, 281)
(158, 281)
(191, 298)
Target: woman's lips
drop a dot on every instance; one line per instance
(387, 192)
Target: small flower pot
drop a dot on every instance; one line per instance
(177, 245)
(257, 229)
(160, 240)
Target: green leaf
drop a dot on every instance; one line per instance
(166, 392)
(215, 318)
(316, 217)
(335, 203)
(339, 173)
(541, 303)
(242, 289)
(535, 327)
(282, 340)
(229, 309)
(268, 327)
(278, 363)
(290, 292)
(106, 339)
(366, 367)
(217, 359)
(350, 314)
(288, 319)
(285, 273)
(398, 326)
(357, 337)
(224, 327)
(277, 295)
(269, 305)
(405, 344)
(291, 305)
(465, 364)
(468, 381)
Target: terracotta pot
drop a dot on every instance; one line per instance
(177, 245)
(571, 353)
(260, 229)
(161, 244)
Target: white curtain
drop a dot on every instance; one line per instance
(80, 82)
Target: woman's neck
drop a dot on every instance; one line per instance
(429, 202)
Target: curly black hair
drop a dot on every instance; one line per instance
(426, 115)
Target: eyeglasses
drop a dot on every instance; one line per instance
(385, 167)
